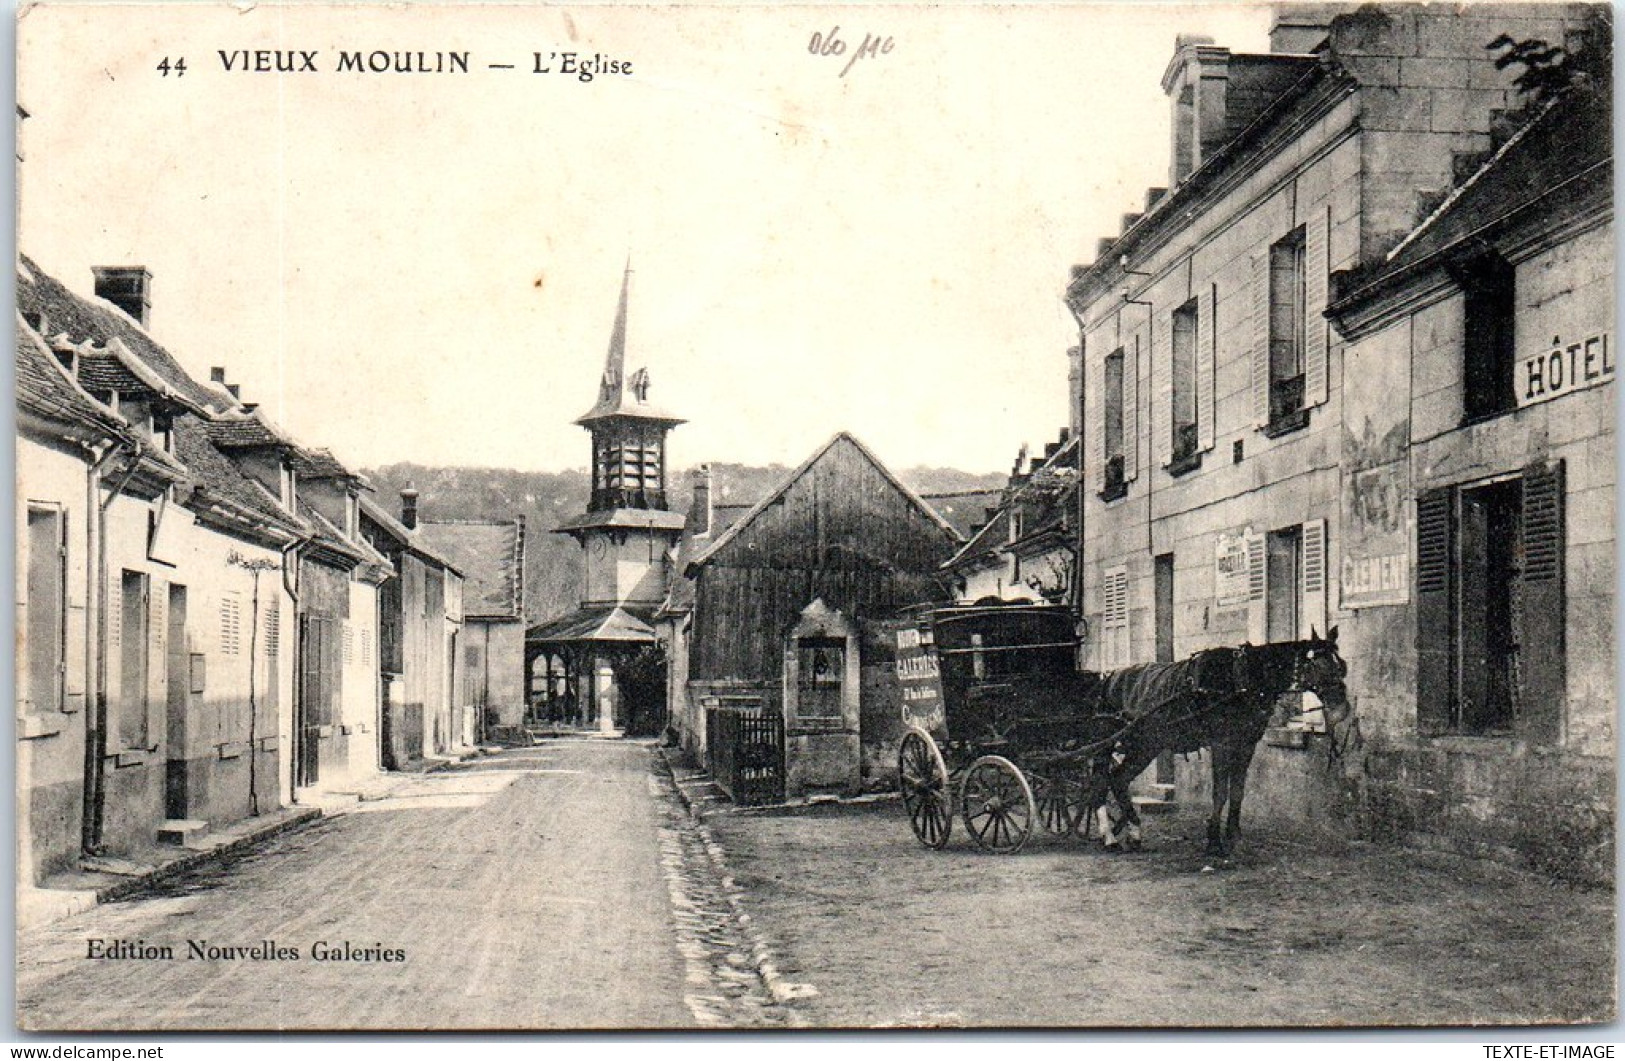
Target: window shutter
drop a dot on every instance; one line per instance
(1162, 372)
(1257, 591)
(1541, 617)
(1261, 337)
(1314, 327)
(1435, 630)
(1097, 431)
(1207, 343)
(1131, 411)
(158, 657)
(1312, 589)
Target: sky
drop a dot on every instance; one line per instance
(424, 267)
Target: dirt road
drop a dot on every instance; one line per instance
(1067, 934)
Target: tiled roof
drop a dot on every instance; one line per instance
(40, 296)
(328, 534)
(45, 390)
(409, 539)
(321, 464)
(215, 474)
(491, 556)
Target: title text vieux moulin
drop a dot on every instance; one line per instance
(582, 65)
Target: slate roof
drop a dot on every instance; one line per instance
(46, 390)
(1562, 153)
(40, 296)
(599, 622)
(491, 556)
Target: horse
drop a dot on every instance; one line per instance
(1221, 699)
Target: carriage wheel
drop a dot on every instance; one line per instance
(924, 780)
(997, 805)
(1061, 803)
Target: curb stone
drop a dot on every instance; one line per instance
(782, 991)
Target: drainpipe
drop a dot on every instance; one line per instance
(95, 795)
(290, 584)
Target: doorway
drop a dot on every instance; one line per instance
(1163, 577)
(1490, 590)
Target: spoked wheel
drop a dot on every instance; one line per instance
(1061, 802)
(924, 780)
(997, 805)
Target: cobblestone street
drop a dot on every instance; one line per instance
(559, 886)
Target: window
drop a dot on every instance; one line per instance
(134, 660)
(1490, 607)
(820, 679)
(1487, 353)
(1286, 332)
(47, 608)
(1184, 414)
(1116, 481)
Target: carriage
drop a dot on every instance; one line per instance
(1000, 723)
(1002, 726)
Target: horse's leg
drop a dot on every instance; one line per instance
(1122, 777)
(1220, 757)
(1241, 759)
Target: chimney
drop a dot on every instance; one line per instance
(699, 516)
(129, 287)
(409, 507)
(217, 374)
(234, 390)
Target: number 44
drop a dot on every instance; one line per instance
(178, 66)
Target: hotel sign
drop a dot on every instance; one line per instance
(1564, 367)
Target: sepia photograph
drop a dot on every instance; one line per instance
(761, 517)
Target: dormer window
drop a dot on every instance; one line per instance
(352, 515)
(163, 431)
(289, 486)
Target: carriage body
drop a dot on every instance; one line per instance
(1013, 734)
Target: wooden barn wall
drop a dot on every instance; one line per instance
(841, 532)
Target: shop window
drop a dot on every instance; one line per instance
(1487, 350)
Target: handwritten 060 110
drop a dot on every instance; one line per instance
(830, 45)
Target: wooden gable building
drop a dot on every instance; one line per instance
(771, 617)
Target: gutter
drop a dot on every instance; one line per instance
(95, 794)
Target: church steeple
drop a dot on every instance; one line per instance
(628, 433)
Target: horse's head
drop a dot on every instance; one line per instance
(1320, 670)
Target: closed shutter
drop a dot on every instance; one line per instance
(1260, 283)
(1162, 410)
(1207, 344)
(158, 658)
(1131, 411)
(1257, 591)
(1435, 627)
(1314, 325)
(1312, 589)
(1542, 616)
(1114, 616)
(1097, 431)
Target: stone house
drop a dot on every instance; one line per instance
(1215, 396)
(420, 616)
(1477, 572)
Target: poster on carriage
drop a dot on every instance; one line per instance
(920, 679)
